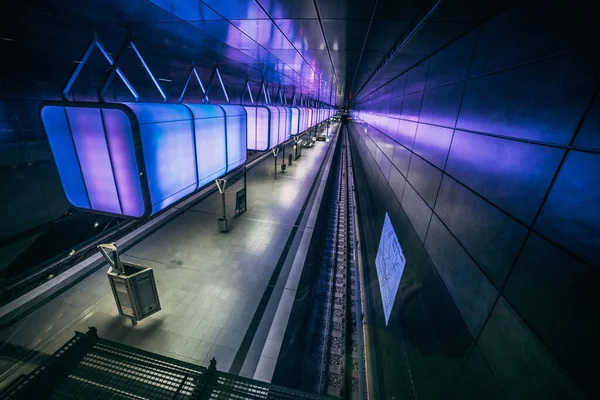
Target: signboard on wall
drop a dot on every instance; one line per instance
(390, 263)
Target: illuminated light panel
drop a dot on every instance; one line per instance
(211, 149)
(273, 126)
(258, 128)
(283, 124)
(168, 141)
(90, 143)
(251, 127)
(294, 121)
(236, 136)
(135, 159)
(389, 262)
(263, 128)
(122, 152)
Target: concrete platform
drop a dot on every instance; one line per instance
(219, 291)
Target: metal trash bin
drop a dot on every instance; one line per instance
(133, 285)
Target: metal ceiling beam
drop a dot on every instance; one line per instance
(289, 41)
(213, 9)
(187, 82)
(158, 87)
(216, 73)
(261, 90)
(362, 50)
(114, 70)
(95, 43)
(246, 89)
(325, 39)
(398, 46)
(267, 93)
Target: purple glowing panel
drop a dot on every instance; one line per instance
(258, 128)
(168, 144)
(236, 136)
(283, 124)
(306, 119)
(87, 129)
(251, 127)
(310, 118)
(294, 121)
(122, 151)
(263, 129)
(301, 120)
(273, 126)
(54, 119)
(211, 149)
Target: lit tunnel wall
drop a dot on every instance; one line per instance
(486, 157)
(135, 159)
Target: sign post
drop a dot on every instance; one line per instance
(275, 152)
(221, 184)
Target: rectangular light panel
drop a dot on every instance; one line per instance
(390, 262)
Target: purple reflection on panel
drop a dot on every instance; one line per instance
(511, 174)
(90, 143)
(433, 143)
(120, 141)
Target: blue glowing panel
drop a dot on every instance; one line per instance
(304, 119)
(263, 129)
(258, 128)
(283, 124)
(251, 127)
(294, 120)
(122, 151)
(236, 136)
(168, 145)
(390, 264)
(54, 119)
(210, 142)
(96, 158)
(273, 126)
(301, 119)
(310, 117)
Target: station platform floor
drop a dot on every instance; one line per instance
(219, 292)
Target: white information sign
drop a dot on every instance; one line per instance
(390, 263)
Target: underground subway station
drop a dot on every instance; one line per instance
(299, 199)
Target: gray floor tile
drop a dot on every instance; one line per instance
(202, 351)
(178, 344)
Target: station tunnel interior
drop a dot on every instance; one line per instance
(474, 126)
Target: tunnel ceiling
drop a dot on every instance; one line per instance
(329, 49)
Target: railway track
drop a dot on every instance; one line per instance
(334, 353)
